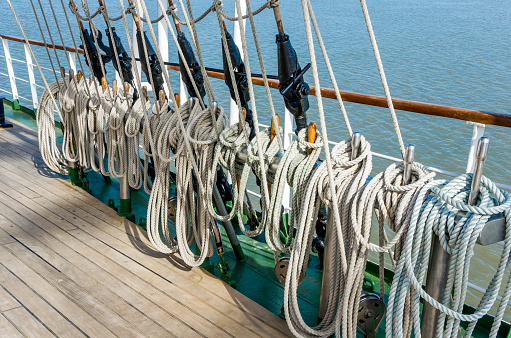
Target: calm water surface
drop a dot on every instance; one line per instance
(446, 52)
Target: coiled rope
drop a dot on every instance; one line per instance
(391, 202)
(295, 168)
(349, 176)
(47, 138)
(437, 215)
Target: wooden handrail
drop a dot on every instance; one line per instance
(472, 115)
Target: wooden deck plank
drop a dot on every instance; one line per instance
(27, 323)
(110, 320)
(132, 280)
(230, 308)
(122, 236)
(8, 329)
(136, 299)
(53, 296)
(48, 314)
(7, 301)
(127, 311)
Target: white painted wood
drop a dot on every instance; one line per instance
(233, 108)
(72, 60)
(10, 70)
(163, 44)
(31, 77)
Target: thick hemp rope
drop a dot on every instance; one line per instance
(295, 168)
(47, 138)
(167, 137)
(349, 176)
(436, 214)
(391, 202)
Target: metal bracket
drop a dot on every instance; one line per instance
(281, 268)
(172, 209)
(370, 314)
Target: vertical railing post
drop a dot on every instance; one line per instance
(72, 60)
(31, 77)
(288, 131)
(10, 71)
(236, 35)
(163, 44)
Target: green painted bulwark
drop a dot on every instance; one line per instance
(74, 177)
(125, 210)
(16, 104)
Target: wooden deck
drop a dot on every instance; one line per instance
(71, 267)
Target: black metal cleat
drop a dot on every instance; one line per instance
(93, 54)
(191, 61)
(292, 86)
(154, 72)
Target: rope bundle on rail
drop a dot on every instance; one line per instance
(349, 176)
(437, 214)
(167, 136)
(295, 168)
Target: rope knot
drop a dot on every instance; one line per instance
(73, 7)
(171, 10)
(218, 4)
(273, 3)
(102, 9)
(131, 9)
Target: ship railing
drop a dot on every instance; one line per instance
(478, 119)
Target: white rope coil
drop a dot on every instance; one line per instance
(437, 215)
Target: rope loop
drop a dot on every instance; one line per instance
(273, 3)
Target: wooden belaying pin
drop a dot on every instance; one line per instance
(242, 121)
(79, 75)
(144, 93)
(71, 74)
(63, 72)
(104, 84)
(176, 23)
(273, 129)
(114, 87)
(177, 99)
(311, 135)
(161, 98)
(126, 88)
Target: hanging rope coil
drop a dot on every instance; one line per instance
(391, 202)
(132, 129)
(295, 168)
(167, 136)
(437, 215)
(45, 119)
(231, 141)
(349, 176)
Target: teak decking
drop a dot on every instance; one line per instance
(71, 267)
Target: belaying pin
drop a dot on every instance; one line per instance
(355, 145)
(481, 154)
(214, 106)
(408, 163)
